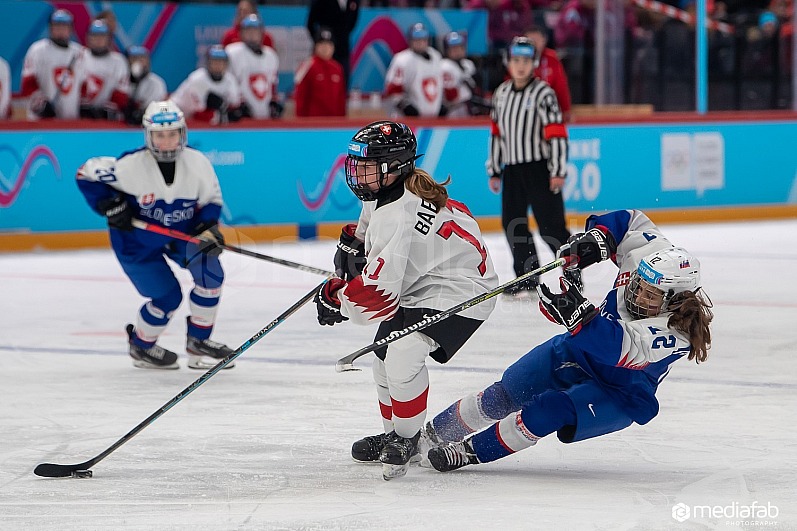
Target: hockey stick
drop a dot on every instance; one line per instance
(143, 225)
(81, 470)
(346, 363)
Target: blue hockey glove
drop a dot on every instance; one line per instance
(569, 308)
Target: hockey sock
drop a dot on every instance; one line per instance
(473, 413)
(382, 393)
(409, 415)
(204, 304)
(154, 316)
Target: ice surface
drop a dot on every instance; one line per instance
(266, 445)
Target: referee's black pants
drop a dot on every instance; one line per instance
(527, 184)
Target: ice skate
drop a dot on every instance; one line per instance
(155, 357)
(205, 354)
(453, 456)
(429, 439)
(523, 290)
(367, 449)
(397, 454)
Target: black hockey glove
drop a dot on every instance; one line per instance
(407, 108)
(350, 254)
(569, 308)
(211, 236)
(133, 115)
(233, 115)
(328, 304)
(275, 109)
(583, 250)
(443, 111)
(214, 102)
(45, 109)
(117, 211)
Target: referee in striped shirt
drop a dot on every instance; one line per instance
(528, 158)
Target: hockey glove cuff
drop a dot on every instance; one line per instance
(328, 304)
(583, 250)
(350, 254)
(569, 308)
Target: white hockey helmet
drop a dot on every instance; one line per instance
(164, 116)
(659, 277)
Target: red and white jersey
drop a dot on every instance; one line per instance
(104, 75)
(418, 256)
(457, 80)
(192, 94)
(416, 79)
(150, 88)
(257, 76)
(5, 89)
(55, 70)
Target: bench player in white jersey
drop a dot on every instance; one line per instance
(5, 90)
(458, 72)
(424, 253)
(210, 94)
(145, 86)
(170, 185)
(414, 79)
(601, 375)
(255, 67)
(104, 91)
(53, 71)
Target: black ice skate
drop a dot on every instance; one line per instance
(206, 354)
(396, 455)
(574, 277)
(524, 289)
(155, 357)
(367, 449)
(453, 456)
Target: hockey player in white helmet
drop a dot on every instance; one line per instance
(145, 85)
(423, 253)
(170, 185)
(104, 92)
(210, 94)
(414, 79)
(602, 374)
(458, 76)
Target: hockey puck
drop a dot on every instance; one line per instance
(82, 473)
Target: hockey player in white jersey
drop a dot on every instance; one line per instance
(171, 185)
(424, 253)
(145, 86)
(53, 72)
(104, 91)
(5, 90)
(210, 94)
(601, 375)
(414, 79)
(458, 76)
(256, 68)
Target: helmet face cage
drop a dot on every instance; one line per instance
(658, 278)
(164, 116)
(377, 152)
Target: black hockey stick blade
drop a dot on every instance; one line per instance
(347, 363)
(50, 470)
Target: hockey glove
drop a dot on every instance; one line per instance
(45, 109)
(214, 102)
(350, 255)
(569, 308)
(328, 304)
(583, 250)
(275, 109)
(117, 211)
(211, 236)
(407, 108)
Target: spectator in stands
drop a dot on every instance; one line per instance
(52, 72)
(5, 90)
(458, 76)
(505, 19)
(104, 91)
(255, 68)
(414, 79)
(550, 69)
(210, 94)
(145, 85)
(243, 10)
(319, 84)
(340, 17)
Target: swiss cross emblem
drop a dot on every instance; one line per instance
(147, 200)
(63, 79)
(93, 86)
(259, 85)
(386, 129)
(430, 89)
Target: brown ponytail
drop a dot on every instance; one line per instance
(424, 186)
(692, 315)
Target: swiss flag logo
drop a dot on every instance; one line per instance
(64, 79)
(92, 87)
(430, 88)
(259, 85)
(386, 129)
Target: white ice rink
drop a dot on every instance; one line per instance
(266, 444)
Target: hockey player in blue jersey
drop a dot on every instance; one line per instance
(169, 184)
(602, 374)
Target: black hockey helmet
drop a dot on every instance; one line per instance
(376, 152)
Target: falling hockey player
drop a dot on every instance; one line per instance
(171, 185)
(602, 374)
(423, 253)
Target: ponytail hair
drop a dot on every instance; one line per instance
(424, 186)
(692, 315)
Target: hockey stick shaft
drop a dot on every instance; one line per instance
(51, 470)
(163, 231)
(346, 363)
